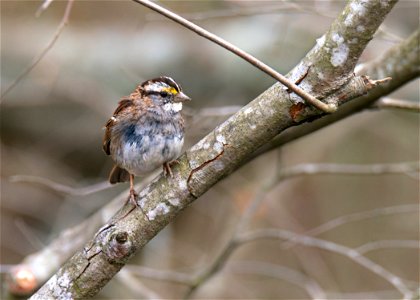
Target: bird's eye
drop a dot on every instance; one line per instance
(164, 94)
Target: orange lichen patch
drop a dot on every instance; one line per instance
(295, 110)
(22, 281)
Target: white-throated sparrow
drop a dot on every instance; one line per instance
(146, 130)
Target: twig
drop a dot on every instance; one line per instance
(385, 244)
(397, 104)
(163, 275)
(348, 169)
(63, 23)
(60, 188)
(43, 7)
(352, 254)
(244, 55)
(29, 234)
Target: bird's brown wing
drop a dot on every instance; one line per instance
(122, 105)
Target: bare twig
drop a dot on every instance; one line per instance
(386, 102)
(29, 234)
(239, 52)
(163, 275)
(352, 254)
(348, 169)
(60, 188)
(386, 244)
(37, 59)
(43, 7)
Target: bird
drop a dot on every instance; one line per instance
(145, 131)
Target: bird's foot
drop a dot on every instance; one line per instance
(167, 168)
(133, 197)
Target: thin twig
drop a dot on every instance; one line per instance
(61, 188)
(386, 244)
(63, 23)
(244, 55)
(29, 234)
(43, 7)
(163, 275)
(397, 104)
(349, 169)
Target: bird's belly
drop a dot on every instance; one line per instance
(145, 153)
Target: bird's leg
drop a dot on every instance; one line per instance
(133, 195)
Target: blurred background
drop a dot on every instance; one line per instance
(51, 127)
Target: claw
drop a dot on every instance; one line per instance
(167, 168)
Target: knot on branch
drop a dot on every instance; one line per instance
(119, 247)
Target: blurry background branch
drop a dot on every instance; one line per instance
(390, 103)
(61, 188)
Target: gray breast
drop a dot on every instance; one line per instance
(148, 143)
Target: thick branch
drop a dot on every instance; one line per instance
(206, 163)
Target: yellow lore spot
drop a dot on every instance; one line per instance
(170, 90)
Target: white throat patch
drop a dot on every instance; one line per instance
(172, 107)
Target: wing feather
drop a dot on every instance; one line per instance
(122, 105)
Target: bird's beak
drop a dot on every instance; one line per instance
(181, 97)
